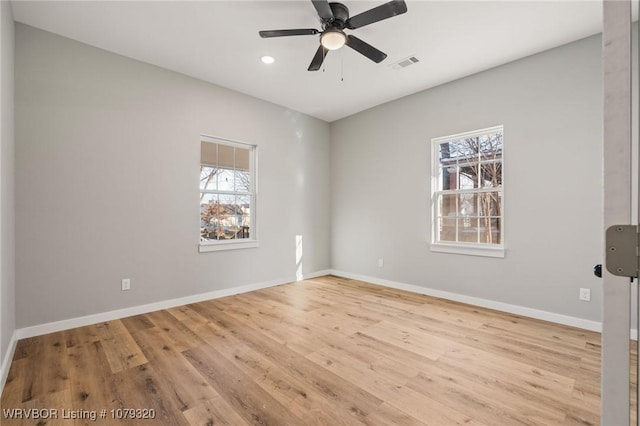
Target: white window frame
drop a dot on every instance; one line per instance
(252, 242)
(465, 248)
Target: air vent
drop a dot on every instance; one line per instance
(406, 62)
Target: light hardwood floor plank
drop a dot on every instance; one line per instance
(239, 390)
(187, 386)
(342, 393)
(216, 412)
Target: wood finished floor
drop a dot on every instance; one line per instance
(327, 351)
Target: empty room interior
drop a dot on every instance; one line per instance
(313, 213)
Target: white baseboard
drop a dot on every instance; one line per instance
(485, 303)
(6, 361)
(67, 324)
(52, 327)
(317, 274)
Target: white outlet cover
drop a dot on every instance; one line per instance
(585, 294)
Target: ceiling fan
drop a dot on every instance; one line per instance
(334, 18)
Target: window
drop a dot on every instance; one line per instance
(467, 193)
(227, 194)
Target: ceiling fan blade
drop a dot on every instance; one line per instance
(323, 9)
(366, 49)
(318, 58)
(284, 33)
(385, 11)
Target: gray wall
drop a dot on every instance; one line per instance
(107, 166)
(7, 204)
(107, 160)
(551, 107)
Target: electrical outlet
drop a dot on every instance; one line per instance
(126, 284)
(380, 263)
(585, 294)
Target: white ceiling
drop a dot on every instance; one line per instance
(217, 41)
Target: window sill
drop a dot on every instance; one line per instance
(227, 245)
(469, 250)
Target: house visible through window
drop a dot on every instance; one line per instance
(467, 192)
(227, 194)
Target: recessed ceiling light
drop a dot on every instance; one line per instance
(267, 59)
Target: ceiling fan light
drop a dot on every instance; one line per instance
(333, 39)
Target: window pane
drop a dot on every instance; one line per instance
(225, 216)
(491, 146)
(225, 180)
(458, 219)
(447, 229)
(208, 177)
(445, 153)
(243, 208)
(447, 205)
(490, 232)
(448, 178)
(464, 149)
(447, 213)
(496, 230)
(242, 179)
(491, 174)
(468, 229)
(490, 204)
(468, 177)
(210, 210)
(467, 204)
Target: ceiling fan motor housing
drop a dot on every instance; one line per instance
(340, 16)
